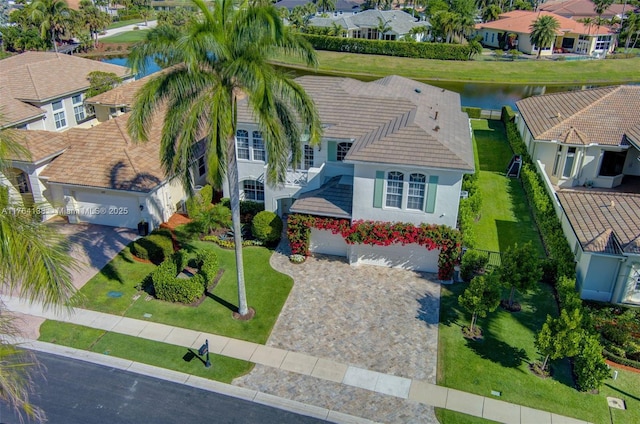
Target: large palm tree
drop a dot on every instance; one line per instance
(53, 16)
(543, 32)
(34, 262)
(224, 58)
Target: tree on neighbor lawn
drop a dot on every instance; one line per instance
(34, 264)
(560, 337)
(589, 365)
(482, 296)
(599, 6)
(520, 269)
(53, 17)
(224, 55)
(543, 32)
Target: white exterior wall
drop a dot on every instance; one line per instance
(627, 280)
(632, 164)
(411, 256)
(327, 243)
(161, 203)
(447, 197)
(600, 277)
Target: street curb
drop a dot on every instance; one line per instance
(193, 381)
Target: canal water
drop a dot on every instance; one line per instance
(485, 96)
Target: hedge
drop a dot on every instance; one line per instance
(473, 112)
(248, 208)
(266, 226)
(440, 51)
(155, 247)
(170, 288)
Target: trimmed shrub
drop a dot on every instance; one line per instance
(155, 247)
(440, 51)
(248, 209)
(199, 201)
(472, 263)
(207, 263)
(267, 227)
(473, 112)
(170, 288)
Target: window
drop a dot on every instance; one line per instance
(253, 190)
(59, 117)
(22, 183)
(603, 42)
(395, 181)
(258, 146)
(201, 166)
(415, 197)
(242, 141)
(568, 162)
(78, 108)
(308, 157)
(556, 163)
(612, 163)
(343, 149)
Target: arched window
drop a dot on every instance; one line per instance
(258, 146)
(395, 181)
(415, 194)
(242, 144)
(253, 190)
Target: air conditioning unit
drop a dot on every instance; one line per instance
(464, 194)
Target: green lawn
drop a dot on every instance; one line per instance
(500, 362)
(158, 354)
(505, 218)
(120, 24)
(126, 37)
(504, 72)
(267, 290)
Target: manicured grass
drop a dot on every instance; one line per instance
(505, 218)
(446, 416)
(120, 24)
(517, 72)
(500, 361)
(267, 290)
(126, 37)
(158, 354)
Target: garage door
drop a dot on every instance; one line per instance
(411, 256)
(106, 209)
(327, 243)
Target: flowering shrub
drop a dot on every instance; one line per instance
(374, 233)
(297, 259)
(229, 244)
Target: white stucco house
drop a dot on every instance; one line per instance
(393, 150)
(586, 144)
(572, 36)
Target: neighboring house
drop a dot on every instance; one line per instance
(342, 6)
(367, 24)
(586, 144)
(45, 91)
(392, 150)
(580, 9)
(572, 36)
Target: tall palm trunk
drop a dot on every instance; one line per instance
(234, 200)
(53, 40)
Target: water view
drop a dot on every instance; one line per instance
(486, 96)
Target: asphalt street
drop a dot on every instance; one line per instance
(78, 392)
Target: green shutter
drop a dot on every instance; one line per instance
(377, 189)
(432, 189)
(332, 151)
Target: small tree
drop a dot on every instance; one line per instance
(560, 337)
(101, 82)
(590, 367)
(520, 269)
(482, 296)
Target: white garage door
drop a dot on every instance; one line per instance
(327, 243)
(107, 209)
(411, 256)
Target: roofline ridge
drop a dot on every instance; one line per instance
(35, 86)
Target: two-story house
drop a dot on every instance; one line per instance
(44, 92)
(586, 144)
(392, 150)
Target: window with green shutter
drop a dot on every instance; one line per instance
(378, 189)
(332, 148)
(432, 189)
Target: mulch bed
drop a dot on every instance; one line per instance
(475, 335)
(209, 289)
(624, 367)
(515, 307)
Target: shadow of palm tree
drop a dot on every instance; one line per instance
(222, 302)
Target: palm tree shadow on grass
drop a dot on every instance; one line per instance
(222, 302)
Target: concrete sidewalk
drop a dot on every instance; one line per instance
(300, 363)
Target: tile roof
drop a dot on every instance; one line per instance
(581, 8)
(334, 198)
(105, 157)
(40, 76)
(393, 120)
(521, 20)
(123, 95)
(601, 116)
(604, 221)
(14, 111)
(339, 5)
(41, 144)
(400, 22)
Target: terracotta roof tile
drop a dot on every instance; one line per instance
(41, 144)
(581, 8)
(599, 116)
(521, 20)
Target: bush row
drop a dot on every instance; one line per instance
(473, 112)
(440, 51)
(170, 288)
(155, 247)
(470, 207)
(248, 208)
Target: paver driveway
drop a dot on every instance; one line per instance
(376, 318)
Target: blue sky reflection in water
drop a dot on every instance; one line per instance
(486, 96)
